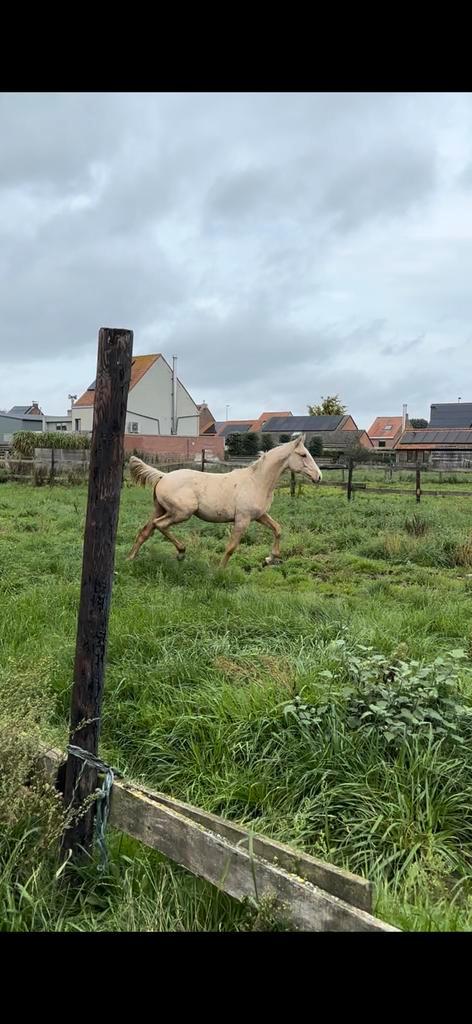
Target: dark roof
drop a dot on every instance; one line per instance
(296, 424)
(19, 416)
(18, 410)
(451, 414)
(344, 439)
(431, 436)
(235, 428)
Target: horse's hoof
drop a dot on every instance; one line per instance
(271, 560)
(180, 556)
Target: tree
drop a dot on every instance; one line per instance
(251, 444)
(234, 445)
(267, 443)
(243, 445)
(330, 406)
(284, 438)
(315, 447)
(417, 424)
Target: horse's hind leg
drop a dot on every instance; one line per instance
(143, 536)
(266, 520)
(145, 533)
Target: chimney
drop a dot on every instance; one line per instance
(173, 415)
(404, 418)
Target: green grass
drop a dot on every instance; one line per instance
(201, 665)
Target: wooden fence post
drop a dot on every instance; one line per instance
(203, 460)
(292, 484)
(349, 480)
(418, 484)
(52, 472)
(106, 460)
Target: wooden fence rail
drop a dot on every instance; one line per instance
(307, 893)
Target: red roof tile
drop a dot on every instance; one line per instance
(139, 366)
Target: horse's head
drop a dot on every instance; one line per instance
(300, 460)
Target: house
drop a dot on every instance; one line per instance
(451, 414)
(20, 417)
(264, 417)
(446, 442)
(26, 410)
(207, 420)
(385, 431)
(158, 402)
(53, 423)
(339, 433)
(226, 427)
(446, 447)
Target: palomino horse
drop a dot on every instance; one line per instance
(238, 497)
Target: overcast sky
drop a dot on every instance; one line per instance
(283, 246)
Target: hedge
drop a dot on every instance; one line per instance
(25, 441)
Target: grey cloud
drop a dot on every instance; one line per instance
(385, 184)
(273, 241)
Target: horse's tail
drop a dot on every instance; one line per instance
(143, 474)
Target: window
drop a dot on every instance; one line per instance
(381, 444)
(61, 426)
(133, 428)
(388, 426)
(77, 425)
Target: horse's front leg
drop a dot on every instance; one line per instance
(240, 527)
(266, 520)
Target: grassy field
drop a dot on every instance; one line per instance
(325, 702)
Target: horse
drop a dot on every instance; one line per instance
(240, 496)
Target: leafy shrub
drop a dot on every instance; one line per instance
(400, 699)
(393, 699)
(315, 447)
(3, 476)
(243, 445)
(267, 443)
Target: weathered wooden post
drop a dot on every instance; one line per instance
(349, 480)
(52, 471)
(203, 460)
(418, 483)
(106, 460)
(292, 484)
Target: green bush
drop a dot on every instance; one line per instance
(243, 445)
(315, 447)
(267, 443)
(25, 441)
(394, 699)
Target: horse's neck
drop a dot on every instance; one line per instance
(269, 469)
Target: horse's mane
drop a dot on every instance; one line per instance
(257, 462)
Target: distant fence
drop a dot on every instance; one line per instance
(48, 464)
(70, 465)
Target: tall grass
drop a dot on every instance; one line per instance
(202, 664)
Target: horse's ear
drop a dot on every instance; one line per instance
(300, 441)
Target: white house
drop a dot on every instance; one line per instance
(158, 402)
